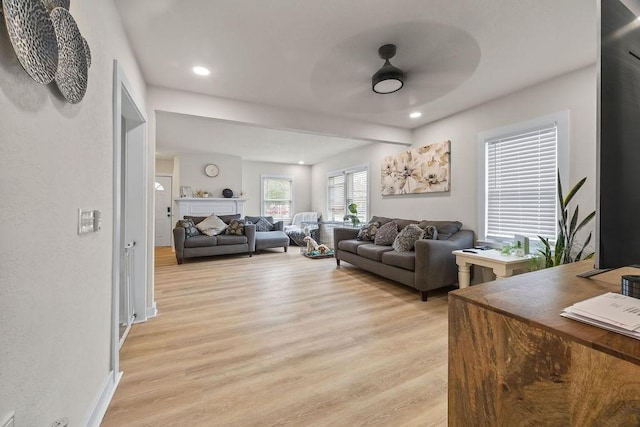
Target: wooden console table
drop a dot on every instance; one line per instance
(514, 361)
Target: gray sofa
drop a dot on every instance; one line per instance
(223, 244)
(430, 266)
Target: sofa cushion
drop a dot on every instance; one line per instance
(200, 241)
(368, 231)
(225, 218)
(386, 234)
(407, 238)
(402, 223)
(212, 226)
(262, 224)
(271, 239)
(189, 226)
(381, 219)
(430, 232)
(236, 227)
(406, 260)
(373, 252)
(230, 239)
(254, 219)
(228, 218)
(351, 245)
(445, 229)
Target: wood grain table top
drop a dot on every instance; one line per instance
(538, 298)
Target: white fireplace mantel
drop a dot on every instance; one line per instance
(206, 206)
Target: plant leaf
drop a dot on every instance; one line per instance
(586, 220)
(574, 190)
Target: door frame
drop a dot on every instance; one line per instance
(125, 106)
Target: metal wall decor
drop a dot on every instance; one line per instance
(33, 38)
(87, 52)
(48, 44)
(52, 4)
(72, 74)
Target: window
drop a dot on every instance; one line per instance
(519, 167)
(277, 197)
(348, 186)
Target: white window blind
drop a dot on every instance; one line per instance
(346, 187)
(521, 189)
(277, 197)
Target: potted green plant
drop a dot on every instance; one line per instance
(566, 250)
(353, 216)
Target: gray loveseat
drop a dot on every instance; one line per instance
(222, 244)
(430, 266)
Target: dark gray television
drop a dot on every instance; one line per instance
(618, 135)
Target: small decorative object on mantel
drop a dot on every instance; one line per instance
(418, 170)
(48, 44)
(227, 193)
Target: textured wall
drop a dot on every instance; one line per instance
(55, 286)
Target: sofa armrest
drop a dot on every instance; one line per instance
(435, 264)
(278, 226)
(343, 234)
(250, 232)
(179, 236)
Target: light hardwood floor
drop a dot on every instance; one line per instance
(281, 339)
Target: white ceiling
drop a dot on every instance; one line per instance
(319, 56)
(180, 133)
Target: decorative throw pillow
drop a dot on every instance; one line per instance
(263, 224)
(386, 234)
(368, 231)
(189, 226)
(212, 226)
(430, 232)
(236, 226)
(406, 239)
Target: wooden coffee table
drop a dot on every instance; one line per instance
(502, 265)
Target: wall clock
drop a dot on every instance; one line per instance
(212, 170)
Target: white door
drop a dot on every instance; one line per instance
(163, 210)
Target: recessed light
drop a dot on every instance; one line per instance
(201, 71)
(415, 114)
(301, 162)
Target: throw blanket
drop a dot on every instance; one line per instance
(299, 218)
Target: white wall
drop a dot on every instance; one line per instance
(192, 173)
(575, 92)
(164, 166)
(55, 286)
(301, 174)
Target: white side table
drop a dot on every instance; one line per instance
(502, 265)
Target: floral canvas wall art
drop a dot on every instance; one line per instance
(418, 170)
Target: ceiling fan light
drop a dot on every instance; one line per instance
(387, 79)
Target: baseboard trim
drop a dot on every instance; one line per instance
(101, 404)
(152, 311)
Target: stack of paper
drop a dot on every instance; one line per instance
(613, 312)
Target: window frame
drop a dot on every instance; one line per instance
(362, 167)
(561, 119)
(265, 177)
